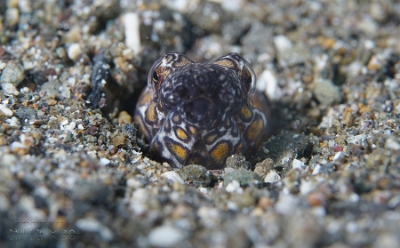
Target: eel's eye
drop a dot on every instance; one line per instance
(247, 79)
(155, 77)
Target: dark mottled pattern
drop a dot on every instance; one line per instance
(201, 112)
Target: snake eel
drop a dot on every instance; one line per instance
(201, 113)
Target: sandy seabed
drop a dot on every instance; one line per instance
(72, 169)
